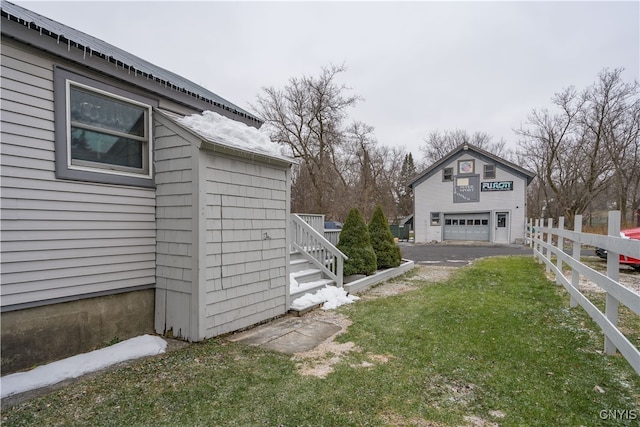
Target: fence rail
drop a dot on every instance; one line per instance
(332, 235)
(317, 223)
(317, 249)
(542, 237)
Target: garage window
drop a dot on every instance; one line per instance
(435, 218)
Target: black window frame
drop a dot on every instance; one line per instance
(91, 172)
(489, 171)
(447, 175)
(435, 218)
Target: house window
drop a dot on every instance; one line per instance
(435, 218)
(106, 132)
(447, 174)
(103, 133)
(489, 171)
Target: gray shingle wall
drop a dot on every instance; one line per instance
(246, 240)
(175, 251)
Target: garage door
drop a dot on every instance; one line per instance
(467, 226)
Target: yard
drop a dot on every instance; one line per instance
(490, 344)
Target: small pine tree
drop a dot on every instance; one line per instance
(405, 194)
(387, 252)
(356, 244)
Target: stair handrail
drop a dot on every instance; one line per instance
(317, 249)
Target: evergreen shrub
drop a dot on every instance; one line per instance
(356, 244)
(387, 252)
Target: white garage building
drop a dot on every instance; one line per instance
(470, 194)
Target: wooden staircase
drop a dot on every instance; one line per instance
(308, 278)
(314, 261)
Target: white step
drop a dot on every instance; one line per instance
(310, 287)
(299, 265)
(307, 275)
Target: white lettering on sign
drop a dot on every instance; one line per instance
(497, 186)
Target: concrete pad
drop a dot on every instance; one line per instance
(267, 332)
(288, 334)
(293, 342)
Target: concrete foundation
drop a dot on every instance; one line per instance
(40, 335)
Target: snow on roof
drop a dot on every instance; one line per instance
(94, 47)
(221, 130)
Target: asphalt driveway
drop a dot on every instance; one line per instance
(457, 254)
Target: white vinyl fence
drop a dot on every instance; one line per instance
(548, 241)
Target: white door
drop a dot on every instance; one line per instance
(502, 227)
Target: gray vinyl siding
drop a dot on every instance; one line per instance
(60, 239)
(246, 241)
(434, 195)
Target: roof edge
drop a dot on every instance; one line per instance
(11, 16)
(469, 147)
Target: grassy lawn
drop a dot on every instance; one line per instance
(496, 343)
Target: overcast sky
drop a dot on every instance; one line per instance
(420, 66)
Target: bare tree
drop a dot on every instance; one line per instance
(307, 117)
(438, 144)
(372, 171)
(620, 103)
(387, 166)
(588, 145)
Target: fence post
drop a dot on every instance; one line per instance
(538, 235)
(613, 272)
(575, 276)
(560, 248)
(533, 236)
(547, 252)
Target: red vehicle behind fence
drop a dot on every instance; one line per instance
(632, 233)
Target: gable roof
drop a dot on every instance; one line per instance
(479, 153)
(72, 40)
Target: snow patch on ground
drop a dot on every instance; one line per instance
(75, 366)
(331, 296)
